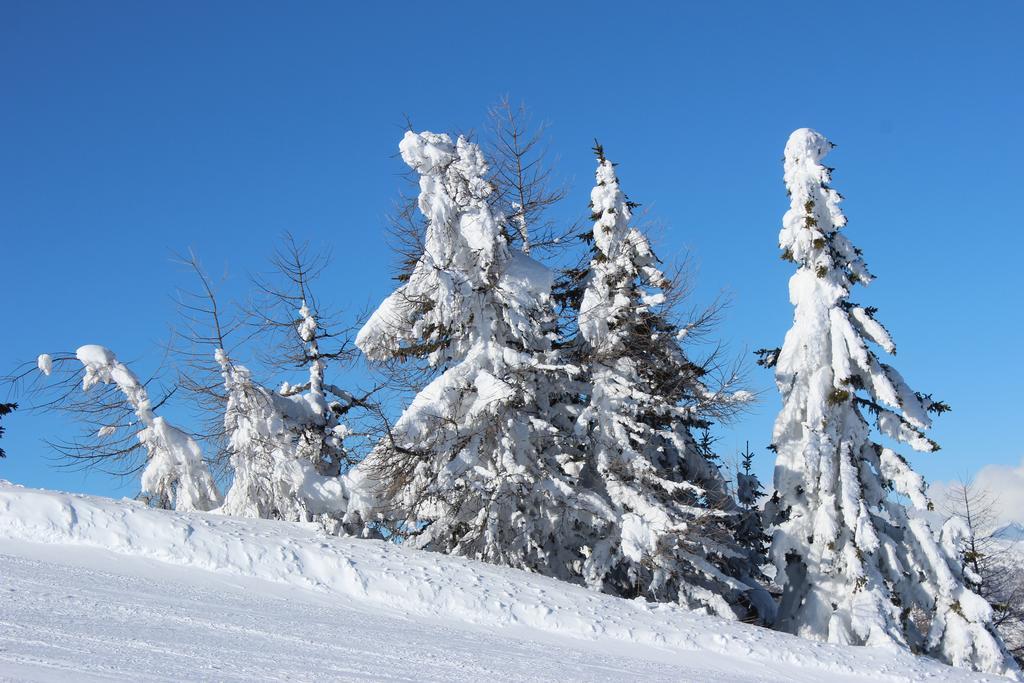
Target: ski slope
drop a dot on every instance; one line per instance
(96, 589)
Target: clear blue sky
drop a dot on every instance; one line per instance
(132, 130)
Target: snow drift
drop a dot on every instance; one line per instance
(378, 576)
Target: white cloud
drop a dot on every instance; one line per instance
(1006, 485)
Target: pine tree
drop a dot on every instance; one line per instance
(5, 409)
(669, 535)
(750, 532)
(475, 465)
(857, 565)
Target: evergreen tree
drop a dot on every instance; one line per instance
(5, 409)
(476, 464)
(669, 535)
(857, 565)
(750, 532)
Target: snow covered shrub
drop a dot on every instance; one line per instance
(668, 530)
(854, 554)
(283, 450)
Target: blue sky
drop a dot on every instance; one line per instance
(134, 130)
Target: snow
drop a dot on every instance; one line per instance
(426, 152)
(525, 276)
(99, 589)
(490, 390)
(94, 355)
(256, 631)
(307, 327)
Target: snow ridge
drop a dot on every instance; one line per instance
(430, 585)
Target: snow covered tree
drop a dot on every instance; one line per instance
(668, 535)
(476, 464)
(123, 434)
(175, 474)
(990, 560)
(857, 563)
(750, 532)
(285, 449)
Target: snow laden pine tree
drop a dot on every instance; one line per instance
(474, 466)
(286, 448)
(669, 532)
(854, 554)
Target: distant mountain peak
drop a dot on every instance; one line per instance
(1014, 531)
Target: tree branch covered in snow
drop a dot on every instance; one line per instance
(116, 403)
(109, 439)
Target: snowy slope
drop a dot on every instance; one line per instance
(107, 589)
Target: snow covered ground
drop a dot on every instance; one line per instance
(96, 589)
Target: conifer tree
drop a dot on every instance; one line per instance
(476, 464)
(670, 532)
(750, 532)
(857, 563)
